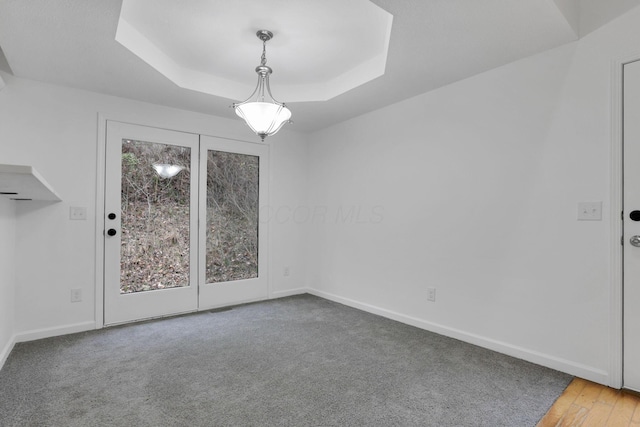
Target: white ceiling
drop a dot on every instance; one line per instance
(189, 42)
(432, 43)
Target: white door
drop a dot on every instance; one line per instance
(233, 195)
(150, 223)
(631, 365)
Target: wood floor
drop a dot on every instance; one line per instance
(586, 404)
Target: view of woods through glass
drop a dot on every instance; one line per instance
(232, 216)
(155, 217)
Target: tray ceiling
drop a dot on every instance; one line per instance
(320, 49)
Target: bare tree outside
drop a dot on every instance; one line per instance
(155, 217)
(232, 216)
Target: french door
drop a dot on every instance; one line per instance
(181, 223)
(232, 255)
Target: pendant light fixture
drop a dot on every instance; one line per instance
(263, 114)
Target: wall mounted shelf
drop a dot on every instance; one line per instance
(25, 183)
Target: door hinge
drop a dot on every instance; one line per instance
(621, 240)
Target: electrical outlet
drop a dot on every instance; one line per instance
(286, 272)
(431, 294)
(76, 295)
(78, 213)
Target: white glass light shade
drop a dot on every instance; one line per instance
(262, 113)
(167, 171)
(264, 118)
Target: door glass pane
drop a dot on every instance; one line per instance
(232, 216)
(155, 216)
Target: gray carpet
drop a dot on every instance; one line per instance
(297, 361)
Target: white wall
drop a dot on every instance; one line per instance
(473, 189)
(288, 231)
(7, 275)
(55, 130)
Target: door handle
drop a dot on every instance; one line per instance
(112, 232)
(635, 241)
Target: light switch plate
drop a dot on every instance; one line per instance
(590, 211)
(77, 213)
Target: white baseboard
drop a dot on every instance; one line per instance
(6, 351)
(288, 293)
(559, 364)
(37, 334)
(563, 365)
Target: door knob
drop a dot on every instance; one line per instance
(111, 216)
(112, 232)
(635, 241)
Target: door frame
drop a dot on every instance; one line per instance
(616, 327)
(162, 120)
